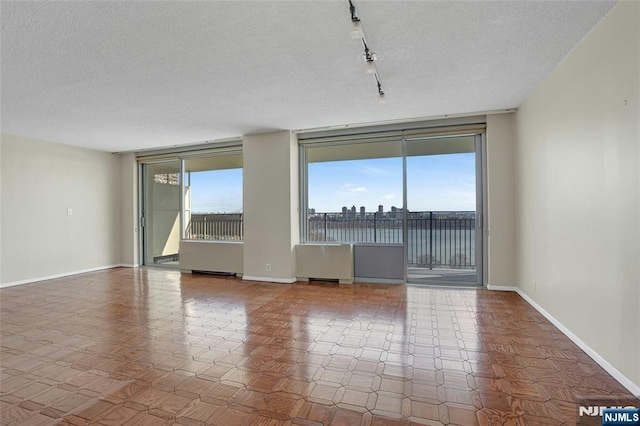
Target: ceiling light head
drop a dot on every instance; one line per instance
(352, 10)
(369, 56)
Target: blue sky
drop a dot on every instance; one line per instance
(216, 191)
(435, 183)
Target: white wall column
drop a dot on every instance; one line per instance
(500, 199)
(271, 194)
(129, 211)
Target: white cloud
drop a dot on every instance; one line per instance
(349, 187)
(373, 171)
(390, 197)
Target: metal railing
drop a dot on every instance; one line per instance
(434, 239)
(215, 227)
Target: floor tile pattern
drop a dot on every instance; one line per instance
(154, 347)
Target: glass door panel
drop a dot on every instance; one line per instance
(442, 204)
(355, 196)
(161, 213)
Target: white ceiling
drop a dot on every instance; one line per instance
(124, 75)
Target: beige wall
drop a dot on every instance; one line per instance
(40, 180)
(0, 210)
(271, 220)
(129, 211)
(578, 191)
(500, 201)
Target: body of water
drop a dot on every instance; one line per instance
(451, 247)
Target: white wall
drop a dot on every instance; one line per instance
(500, 199)
(271, 220)
(578, 191)
(40, 180)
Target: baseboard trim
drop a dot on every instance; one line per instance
(270, 280)
(621, 378)
(128, 265)
(53, 277)
(501, 288)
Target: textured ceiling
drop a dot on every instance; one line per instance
(122, 75)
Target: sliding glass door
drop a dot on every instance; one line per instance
(409, 204)
(443, 224)
(192, 196)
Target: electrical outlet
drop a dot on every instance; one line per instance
(268, 267)
(69, 211)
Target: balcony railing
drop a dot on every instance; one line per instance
(434, 239)
(227, 227)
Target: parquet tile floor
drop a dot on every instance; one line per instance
(154, 347)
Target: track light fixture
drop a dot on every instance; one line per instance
(380, 91)
(369, 56)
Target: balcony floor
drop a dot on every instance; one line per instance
(154, 347)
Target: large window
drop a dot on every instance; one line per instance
(213, 198)
(354, 193)
(195, 195)
(411, 196)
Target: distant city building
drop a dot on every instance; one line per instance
(362, 212)
(380, 208)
